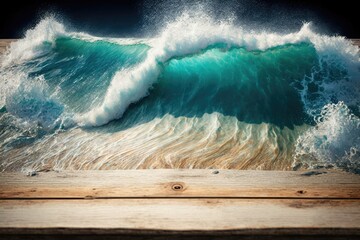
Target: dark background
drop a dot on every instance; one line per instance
(125, 18)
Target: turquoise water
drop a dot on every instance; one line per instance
(83, 70)
(254, 86)
(233, 101)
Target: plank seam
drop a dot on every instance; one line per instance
(175, 197)
(111, 231)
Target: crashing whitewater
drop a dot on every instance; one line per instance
(202, 94)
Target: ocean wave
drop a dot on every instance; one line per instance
(189, 35)
(55, 77)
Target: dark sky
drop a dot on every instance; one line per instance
(124, 18)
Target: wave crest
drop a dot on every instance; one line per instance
(189, 35)
(36, 42)
(112, 78)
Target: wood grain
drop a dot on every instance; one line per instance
(179, 214)
(4, 43)
(190, 183)
(356, 42)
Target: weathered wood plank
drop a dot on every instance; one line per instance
(181, 236)
(179, 215)
(356, 42)
(247, 235)
(180, 183)
(4, 43)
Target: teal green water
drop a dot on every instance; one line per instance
(254, 86)
(257, 101)
(83, 70)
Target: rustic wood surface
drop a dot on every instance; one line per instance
(180, 214)
(4, 43)
(181, 183)
(159, 202)
(356, 42)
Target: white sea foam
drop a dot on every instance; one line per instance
(36, 42)
(334, 141)
(32, 102)
(190, 34)
(186, 35)
(40, 40)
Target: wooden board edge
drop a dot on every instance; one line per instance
(124, 231)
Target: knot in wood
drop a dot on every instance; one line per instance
(177, 187)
